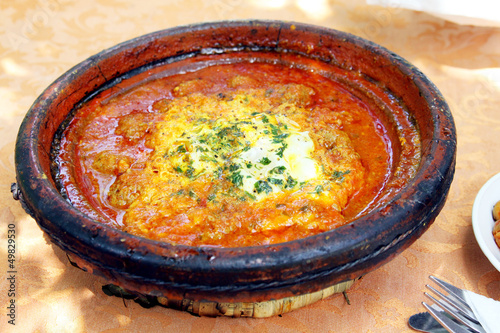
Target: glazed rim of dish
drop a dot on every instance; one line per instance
(306, 264)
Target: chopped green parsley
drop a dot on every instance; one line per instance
(262, 186)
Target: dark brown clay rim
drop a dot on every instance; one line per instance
(345, 252)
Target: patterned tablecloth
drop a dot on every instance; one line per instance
(41, 39)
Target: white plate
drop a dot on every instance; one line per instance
(482, 219)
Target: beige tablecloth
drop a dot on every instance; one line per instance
(41, 39)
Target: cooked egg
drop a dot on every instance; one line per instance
(240, 147)
(260, 153)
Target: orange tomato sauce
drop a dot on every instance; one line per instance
(113, 150)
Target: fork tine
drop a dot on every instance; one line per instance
(452, 312)
(452, 290)
(452, 305)
(446, 322)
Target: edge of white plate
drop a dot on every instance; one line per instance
(482, 219)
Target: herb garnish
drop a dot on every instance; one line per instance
(181, 149)
(262, 186)
(275, 181)
(233, 167)
(318, 189)
(236, 178)
(279, 170)
(339, 175)
(290, 182)
(265, 161)
(281, 150)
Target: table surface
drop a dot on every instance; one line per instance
(41, 39)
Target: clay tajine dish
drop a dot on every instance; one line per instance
(176, 273)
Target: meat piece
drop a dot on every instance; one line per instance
(192, 86)
(296, 94)
(330, 138)
(125, 190)
(110, 163)
(134, 126)
(161, 105)
(242, 81)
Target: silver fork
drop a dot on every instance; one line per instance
(451, 310)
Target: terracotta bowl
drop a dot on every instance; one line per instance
(247, 274)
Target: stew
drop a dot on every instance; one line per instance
(237, 154)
